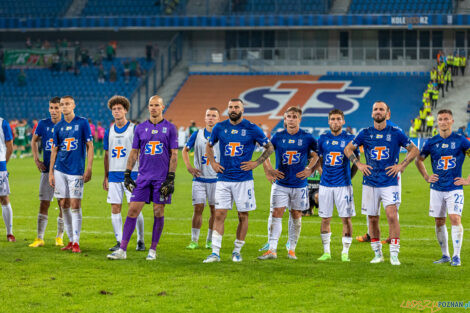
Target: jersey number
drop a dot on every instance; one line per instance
(291, 157)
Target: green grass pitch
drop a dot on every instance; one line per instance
(49, 280)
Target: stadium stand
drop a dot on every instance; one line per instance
(284, 6)
(30, 101)
(131, 8)
(400, 6)
(33, 8)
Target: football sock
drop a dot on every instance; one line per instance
(270, 221)
(325, 239)
(42, 223)
(457, 237)
(394, 246)
(67, 216)
(116, 220)
(276, 230)
(195, 234)
(294, 233)
(129, 226)
(209, 235)
(442, 238)
(76, 224)
(7, 214)
(238, 244)
(376, 246)
(346, 244)
(60, 227)
(140, 227)
(216, 242)
(290, 225)
(158, 223)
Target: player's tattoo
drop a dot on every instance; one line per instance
(405, 161)
(353, 159)
(173, 160)
(268, 149)
(132, 159)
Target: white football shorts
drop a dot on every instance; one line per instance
(202, 192)
(68, 186)
(373, 196)
(342, 197)
(116, 193)
(442, 203)
(46, 192)
(240, 193)
(4, 184)
(292, 198)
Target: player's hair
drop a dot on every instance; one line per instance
(388, 108)
(237, 100)
(295, 110)
(445, 111)
(68, 97)
(336, 111)
(213, 109)
(115, 100)
(55, 100)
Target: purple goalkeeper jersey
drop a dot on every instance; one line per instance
(155, 142)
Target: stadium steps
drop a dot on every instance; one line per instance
(463, 7)
(456, 100)
(76, 8)
(340, 7)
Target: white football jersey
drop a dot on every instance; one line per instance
(201, 162)
(120, 146)
(3, 147)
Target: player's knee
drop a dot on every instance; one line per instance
(242, 217)
(455, 219)
(4, 200)
(198, 209)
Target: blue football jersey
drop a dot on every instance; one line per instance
(447, 156)
(381, 149)
(71, 138)
(292, 152)
(237, 144)
(45, 130)
(335, 165)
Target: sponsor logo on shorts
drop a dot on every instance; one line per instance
(446, 162)
(69, 144)
(291, 157)
(380, 153)
(334, 158)
(234, 149)
(153, 148)
(118, 152)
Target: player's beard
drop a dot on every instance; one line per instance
(235, 117)
(379, 119)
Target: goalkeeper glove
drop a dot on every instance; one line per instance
(129, 183)
(168, 186)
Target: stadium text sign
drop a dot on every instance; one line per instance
(406, 20)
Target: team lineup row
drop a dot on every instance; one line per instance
(140, 163)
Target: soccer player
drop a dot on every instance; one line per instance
(237, 138)
(382, 145)
(6, 149)
(44, 133)
(118, 145)
(205, 177)
(335, 183)
(72, 144)
(293, 146)
(447, 151)
(156, 140)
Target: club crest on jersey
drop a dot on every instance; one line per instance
(153, 148)
(76, 127)
(452, 145)
(234, 131)
(343, 143)
(234, 149)
(164, 130)
(334, 158)
(154, 131)
(243, 132)
(69, 144)
(300, 142)
(118, 152)
(290, 141)
(446, 162)
(291, 157)
(49, 145)
(389, 137)
(380, 153)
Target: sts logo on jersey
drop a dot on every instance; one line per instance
(69, 144)
(334, 158)
(446, 162)
(234, 149)
(154, 147)
(291, 157)
(49, 145)
(205, 160)
(380, 153)
(118, 152)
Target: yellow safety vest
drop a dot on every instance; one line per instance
(456, 61)
(417, 123)
(429, 120)
(434, 131)
(433, 75)
(422, 114)
(427, 106)
(448, 76)
(450, 60)
(430, 86)
(413, 133)
(440, 67)
(435, 94)
(463, 61)
(440, 78)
